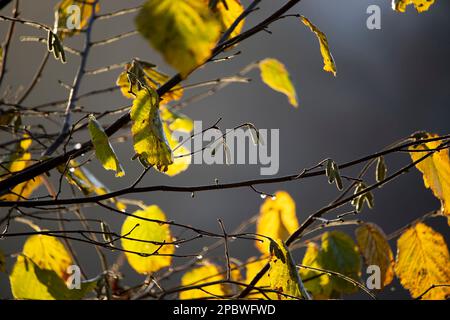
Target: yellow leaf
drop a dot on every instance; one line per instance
(148, 74)
(435, 170)
(282, 274)
(277, 219)
(328, 60)
(18, 161)
(206, 273)
(375, 248)
(103, 149)
(420, 5)
(63, 14)
(176, 120)
(48, 253)
(185, 32)
(253, 266)
(147, 232)
(228, 15)
(422, 261)
(150, 142)
(182, 157)
(30, 282)
(275, 75)
(41, 270)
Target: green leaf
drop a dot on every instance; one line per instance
(275, 75)
(337, 253)
(103, 149)
(184, 32)
(376, 250)
(138, 235)
(328, 61)
(150, 142)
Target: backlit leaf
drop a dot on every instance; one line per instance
(29, 281)
(435, 170)
(182, 157)
(63, 14)
(103, 149)
(317, 283)
(422, 261)
(150, 142)
(206, 273)
(375, 249)
(328, 60)
(277, 219)
(41, 270)
(275, 75)
(148, 231)
(150, 76)
(18, 161)
(253, 266)
(337, 253)
(282, 274)
(184, 32)
(176, 121)
(229, 14)
(420, 5)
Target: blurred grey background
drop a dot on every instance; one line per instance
(390, 83)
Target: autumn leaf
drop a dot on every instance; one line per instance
(182, 156)
(435, 169)
(228, 14)
(316, 282)
(328, 60)
(275, 75)
(103, 149)
(184, 32)
(17, 161)
(276, 220)
(420, 5)
(376, 251)
(176, 120)
(282, 274)
(252, 267)
(63, 14)
(29, 281)
(138, 235)
(146, 73)
(207, 272)
(41, 270)
(422, 261)
(150, 141)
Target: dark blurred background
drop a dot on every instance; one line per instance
(390, 83)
